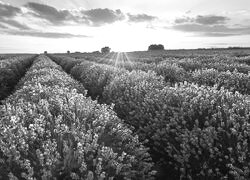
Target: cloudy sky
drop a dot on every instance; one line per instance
(123, 25)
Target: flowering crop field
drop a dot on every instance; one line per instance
(192, 113)
(108, 117)
(51, 130)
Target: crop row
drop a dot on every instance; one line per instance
(50, 130)
(233, 81)
(5, 56)
(218, 62)
(195, 132)
(11, 71)
(152, 57)
(174, 73)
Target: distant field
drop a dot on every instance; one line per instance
(179, 53)
(181, 114)
(6, 56)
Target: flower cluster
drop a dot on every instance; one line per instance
(244, 59)
(189, 64)
(171, 72)
(223, 66)
(67, 63)
(11, 71)
(189, 128)
(128, 91)
(95, 77)
(220, 63)
(48, 130)
(234, 81)
(200, 132)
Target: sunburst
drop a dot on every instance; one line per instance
(119, 59)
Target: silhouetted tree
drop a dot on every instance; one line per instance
(45, 52)
(68, 52)
(106, 50)
(96, 52)
(156, 47)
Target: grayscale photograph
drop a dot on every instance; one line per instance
(124, 89)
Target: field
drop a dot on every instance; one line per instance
(176, 114)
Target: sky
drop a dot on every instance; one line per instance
(34, 26)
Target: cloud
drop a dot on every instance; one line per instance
(7, 15)
(203, 19)
(141, 18)
(211, 19)
(219, 44)
(7, 10)
(50, 13)
(212, 31)
(14, 23)
(220, 34)
(93, 17)
(210, 26)
(44, 34)
(3, 27)
(183, 20)
(98, 17)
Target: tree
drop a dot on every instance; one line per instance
(106, 50)
(155, 47)
(96, 52)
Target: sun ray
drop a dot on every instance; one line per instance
(104, 58)
(128, 60)
(117, 59)
(111, 59)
